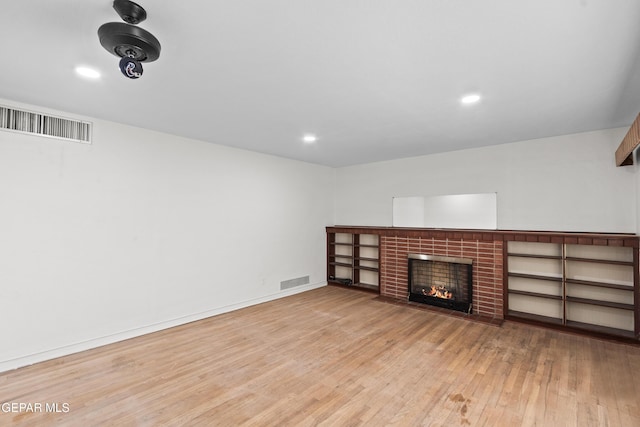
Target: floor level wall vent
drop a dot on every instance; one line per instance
(292, 283)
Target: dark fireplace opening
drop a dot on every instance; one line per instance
(441, 281)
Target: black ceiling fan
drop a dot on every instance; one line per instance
(134, 45)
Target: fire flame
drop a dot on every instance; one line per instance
(438, 292)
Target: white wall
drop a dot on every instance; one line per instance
(565, 183)
(141, 231)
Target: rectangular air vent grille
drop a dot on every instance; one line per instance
(304, 280)
(44, 125)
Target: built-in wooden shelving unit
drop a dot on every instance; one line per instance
(586, 282)
(575, 284)
(353, 259)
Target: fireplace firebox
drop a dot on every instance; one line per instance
(441, 281)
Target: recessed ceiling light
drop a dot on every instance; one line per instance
(87, 72)
(472, 98)
(309, 138)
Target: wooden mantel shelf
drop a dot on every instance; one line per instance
(563, 237)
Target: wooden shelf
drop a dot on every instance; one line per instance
(361, 258)
(369, 286)
(600, 303)
(536, 277)
(519, 255)
(363, 267)
(600, 284)
(535, 294)
(600, 261)
(341, 264)
(535, 317)
(600, 329)
(586, 327)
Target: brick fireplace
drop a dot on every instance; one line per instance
(376, 259)
(487, 259)
(441, 281)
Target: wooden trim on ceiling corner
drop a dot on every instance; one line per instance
(624, 153)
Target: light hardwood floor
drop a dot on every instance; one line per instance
(337, 357)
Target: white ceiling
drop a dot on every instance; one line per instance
(374, 79)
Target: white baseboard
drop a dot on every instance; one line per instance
(132, 333)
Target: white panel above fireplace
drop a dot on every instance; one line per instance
(476, 211)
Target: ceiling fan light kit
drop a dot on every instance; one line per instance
(127, 41)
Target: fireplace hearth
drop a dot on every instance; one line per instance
(441, 281)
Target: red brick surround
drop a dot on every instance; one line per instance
(487, 267)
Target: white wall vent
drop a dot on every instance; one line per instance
(304, 280)
(32, 123)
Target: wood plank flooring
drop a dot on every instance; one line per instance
(337, 357)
